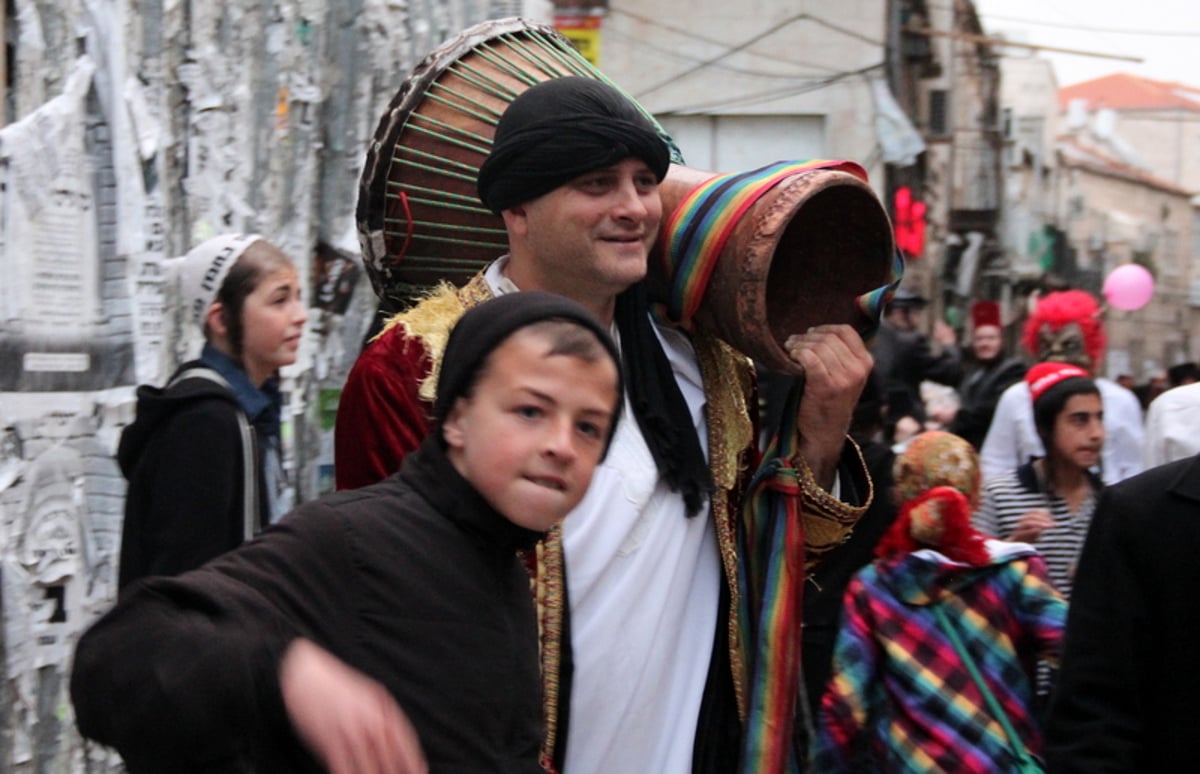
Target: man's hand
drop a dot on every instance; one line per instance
(349, 721)
(943, 334)
(836, 366)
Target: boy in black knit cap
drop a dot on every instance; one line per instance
(386, 629)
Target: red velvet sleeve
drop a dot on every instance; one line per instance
(380, 417)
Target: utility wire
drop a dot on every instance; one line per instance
(1085, 28)
(767, 95)
(729, 51)
(644, 45)
(713, 60)
(695, 36)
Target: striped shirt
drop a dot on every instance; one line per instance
(1009, 496)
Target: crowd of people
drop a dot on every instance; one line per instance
(1064, 456)
(535, 561)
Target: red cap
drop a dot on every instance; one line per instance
(1043, 376)
(985, 313)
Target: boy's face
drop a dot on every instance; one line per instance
(1079, 430)
(591, 235)
(532, 432)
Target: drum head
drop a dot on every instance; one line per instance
(420, 220)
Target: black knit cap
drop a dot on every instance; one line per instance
(485, 327)
(560, 129)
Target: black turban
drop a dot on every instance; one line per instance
(560, 129)
(485, 327)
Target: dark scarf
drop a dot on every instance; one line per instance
(262, 405)
(662, 413)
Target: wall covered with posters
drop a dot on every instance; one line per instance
(132, 130)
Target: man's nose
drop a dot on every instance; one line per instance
(630, 201)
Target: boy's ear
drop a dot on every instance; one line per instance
(452, 430)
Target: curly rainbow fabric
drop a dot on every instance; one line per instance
(872, 304)
(704, 220)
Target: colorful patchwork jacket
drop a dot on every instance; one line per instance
(901, 699)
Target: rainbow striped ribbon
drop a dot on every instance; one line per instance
(771, 580)
(704, 220)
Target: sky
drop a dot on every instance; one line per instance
(1164, 33)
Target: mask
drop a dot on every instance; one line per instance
(1064, 345)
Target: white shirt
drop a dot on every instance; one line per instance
(1173, 426)
(1012, 438)
(644, 588)
(643, 584)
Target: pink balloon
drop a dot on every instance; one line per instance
(1129, 287)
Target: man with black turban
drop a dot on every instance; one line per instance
(637, 593)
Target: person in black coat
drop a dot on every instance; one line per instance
(990, 375)
(390, 628)
(1128, 693)
(203, 457)
(904, 357)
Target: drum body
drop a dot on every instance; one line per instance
(420, 220)
(800, 256)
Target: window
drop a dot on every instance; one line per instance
(939, 124)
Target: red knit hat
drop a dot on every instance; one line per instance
(1043, 376)
(985, 313)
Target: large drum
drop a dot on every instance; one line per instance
(751, 257)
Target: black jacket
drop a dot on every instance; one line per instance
(903, 360)
(414, 581)
(979, 394)
(1128, 693)
(183, 457)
